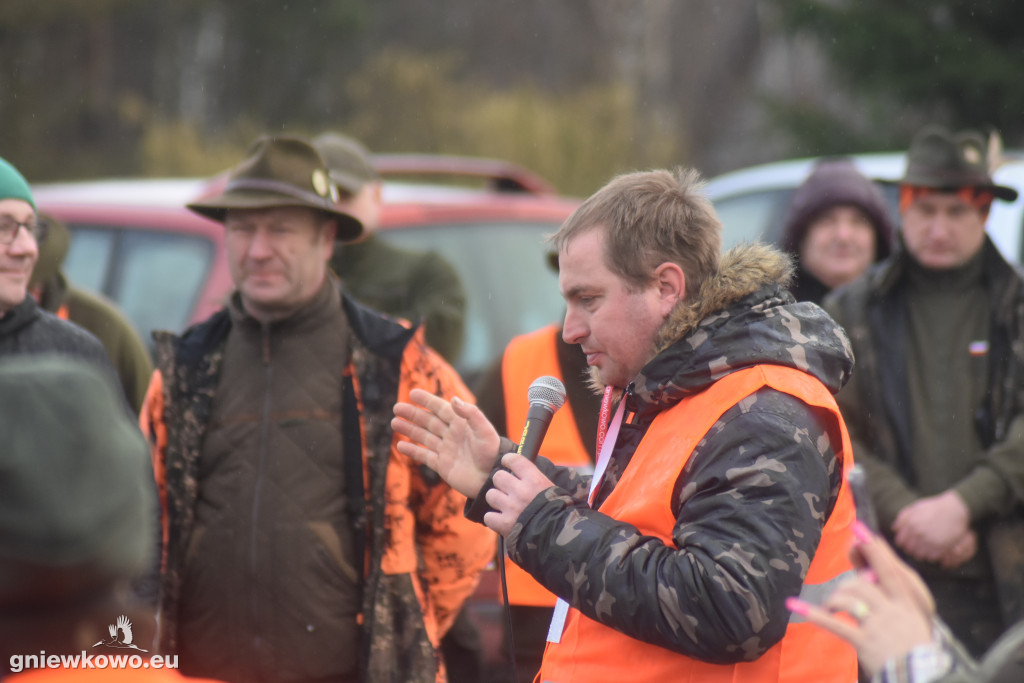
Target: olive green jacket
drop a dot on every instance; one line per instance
(407, 284)
(875, 402)
(101, 317)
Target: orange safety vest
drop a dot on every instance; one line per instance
(590, 651)
(526, 358)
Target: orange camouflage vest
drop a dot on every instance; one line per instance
(589, 651)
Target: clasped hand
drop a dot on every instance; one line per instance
(936, 529)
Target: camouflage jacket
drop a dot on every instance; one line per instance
(750, 503)
(874, 404)
(407, 602)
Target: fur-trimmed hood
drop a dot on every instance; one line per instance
(743, 316)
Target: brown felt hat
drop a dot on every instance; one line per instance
(943, 160)
(280, 171)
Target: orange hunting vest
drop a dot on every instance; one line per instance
(526, 358)
(591, 652)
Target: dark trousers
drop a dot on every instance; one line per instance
(462, 651)
(530, 628)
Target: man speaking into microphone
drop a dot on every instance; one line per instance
(719, 489)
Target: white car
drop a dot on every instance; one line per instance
(752, 202)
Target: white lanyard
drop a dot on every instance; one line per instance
(608, 445)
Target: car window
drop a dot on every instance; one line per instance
(154, 277)
(159, 278)
(752, 216)
(509, 288)
(759, 214)
(88, 258)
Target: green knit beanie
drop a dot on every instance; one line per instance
(13, 185)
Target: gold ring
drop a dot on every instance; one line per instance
(860, 610)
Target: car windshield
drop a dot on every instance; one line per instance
(509, 290)
(154, 277)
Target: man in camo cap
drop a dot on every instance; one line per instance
(415, 285)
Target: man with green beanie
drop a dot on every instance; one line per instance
(97, 314)
(935, 407)
(24, 328)
(415, 285)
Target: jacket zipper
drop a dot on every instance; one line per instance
(260, 467)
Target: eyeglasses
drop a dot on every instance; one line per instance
(9, 229)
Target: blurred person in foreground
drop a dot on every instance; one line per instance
(719, 489)
(415, 285)
(93, 312)
(76, 495)
(300, 545)
(570, 441)
(24, 328)
(935, 406)
(891, 621)
(836, 226)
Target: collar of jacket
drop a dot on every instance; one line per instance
(743, 270)
(312, 315)
(884, 276)
(381, 333)
(748, 317)
(385, 336)
(19, 316)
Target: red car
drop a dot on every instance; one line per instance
(134, 241)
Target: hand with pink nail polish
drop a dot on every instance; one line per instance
(887, 609)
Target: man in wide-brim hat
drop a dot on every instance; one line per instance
(284, 184)
(935, 404)
(300, 546)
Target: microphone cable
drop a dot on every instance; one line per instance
(510, 640)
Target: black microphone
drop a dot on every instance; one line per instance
(546, 394)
